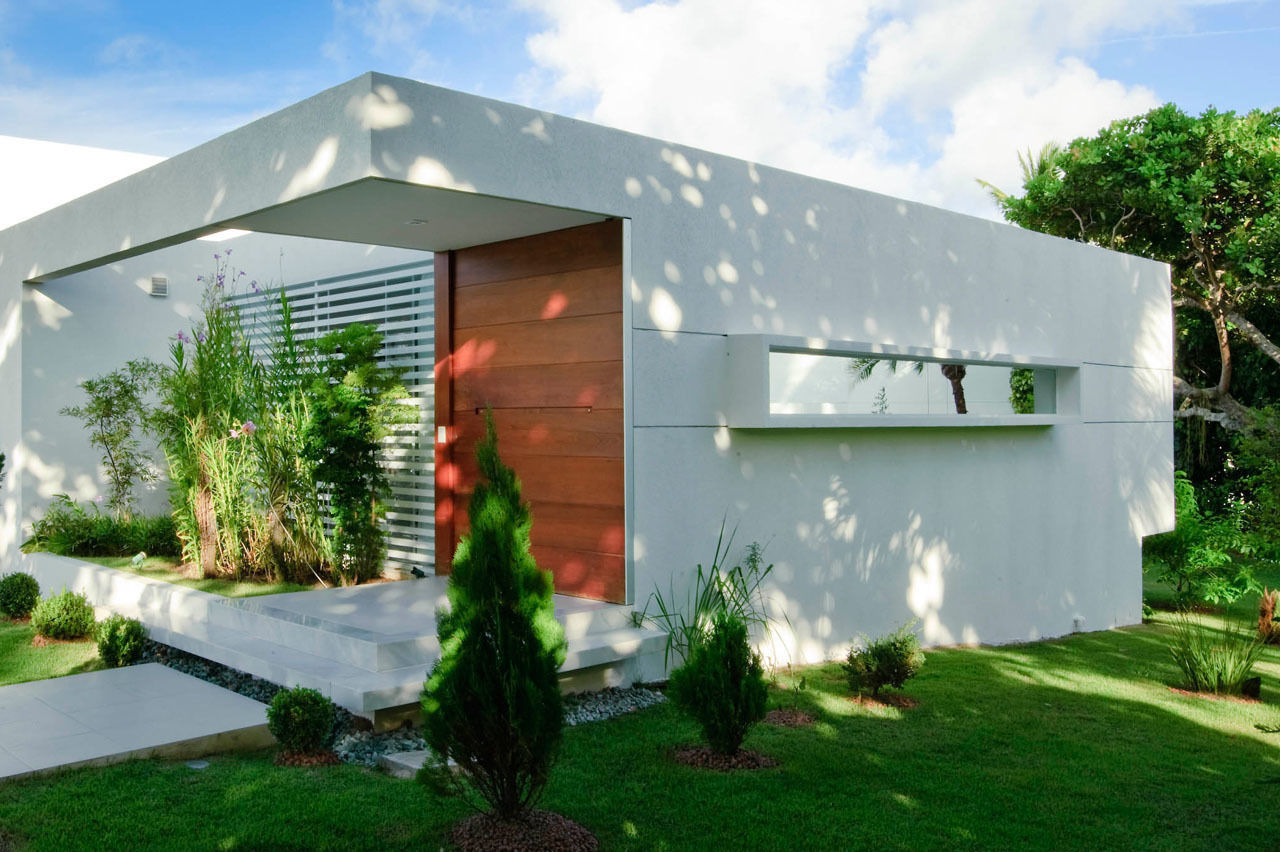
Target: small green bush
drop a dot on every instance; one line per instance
(67, 529)
(19, 594)
(721, 685)
(890, 660)
(63, 616)
(301, 720)
(1211, 660)
(120, 640)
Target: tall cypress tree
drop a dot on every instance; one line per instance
(492, 703)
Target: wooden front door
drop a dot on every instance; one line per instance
(532, 328)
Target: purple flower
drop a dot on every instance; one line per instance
(233, 434)
(199, 277)
(200, 337)
(228, 252)
(248, 428)
(217, 256)
(181, 337)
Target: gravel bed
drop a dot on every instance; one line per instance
(353, 743)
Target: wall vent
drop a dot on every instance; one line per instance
(159, 286)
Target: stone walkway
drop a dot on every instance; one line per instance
(119, 714)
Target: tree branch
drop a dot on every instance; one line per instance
(1255, 336)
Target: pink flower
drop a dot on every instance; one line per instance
(233, 434)
(98, 499)
(248, 428)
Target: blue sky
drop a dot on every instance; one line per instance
(910, 97)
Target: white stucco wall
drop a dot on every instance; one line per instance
(92, 322)
(984, 534)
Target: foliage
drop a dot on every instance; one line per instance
(889, 660)
(67, 615)
(1022, 390)
(1211, 660)
(721, 684)
(492, 702)
(1257, 457)
(1268, 627)
(19, 594)
(115, 413)
(860, 369)
(1198, 557)
(301, 720)
(1, 468)
(1199, 193)
(231, 423)
(68, 530)
(736, 589)
(120, 640)
(354, 400)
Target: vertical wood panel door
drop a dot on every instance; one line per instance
(532, 328)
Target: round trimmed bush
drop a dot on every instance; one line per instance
(19, 594)
(301, 720)
(63, 616)
(890, 660)
(721, 685)
(120, 640)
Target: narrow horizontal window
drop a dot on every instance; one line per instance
(852, 384)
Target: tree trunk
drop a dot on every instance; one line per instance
(206, 526)
(955, 373)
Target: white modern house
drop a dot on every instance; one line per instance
(669, 339)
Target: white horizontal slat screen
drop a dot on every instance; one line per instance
(400, 302)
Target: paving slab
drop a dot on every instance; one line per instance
(114, 715)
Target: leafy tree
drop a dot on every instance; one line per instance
(353, 402)
(115, 414)
(1197, 557)
(492, 703)
(861, 368)
(1199, 193)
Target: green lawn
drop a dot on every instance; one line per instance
(169, 570)
(1076, 743)
(19, 662)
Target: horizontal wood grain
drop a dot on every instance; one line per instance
(599, 529)
(592, 385)
(556, 479)
(563, 294)
(570, 340)
(545, 432)
(584, 247)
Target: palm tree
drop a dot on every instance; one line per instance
(861, 369)
(1032, 165)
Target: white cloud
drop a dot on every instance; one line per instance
(916, 99)
(397, 30)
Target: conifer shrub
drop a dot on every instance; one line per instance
(120, 640)
(492, 703)
(889, 660)
(721, 684)
(19, 594)
(67, 615)
(301, 720)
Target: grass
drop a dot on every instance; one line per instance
(1075, 743)
(19, 662)
(170, 571)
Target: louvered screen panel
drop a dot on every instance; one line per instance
(399, 301)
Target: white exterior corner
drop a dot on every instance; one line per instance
(982, 534)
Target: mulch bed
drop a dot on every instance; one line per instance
(701, 757)
(888, 699)
(1215, 696)
(538, 830)
(39, 641)
(26, 619)
(297, 758)
(788, 717)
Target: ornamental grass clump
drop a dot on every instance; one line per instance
(19, 594)
(721, 684)
(63, 616)
(1212, 660)
(492, 703)
(120, 640)
(889, 660)
(1268, 627)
